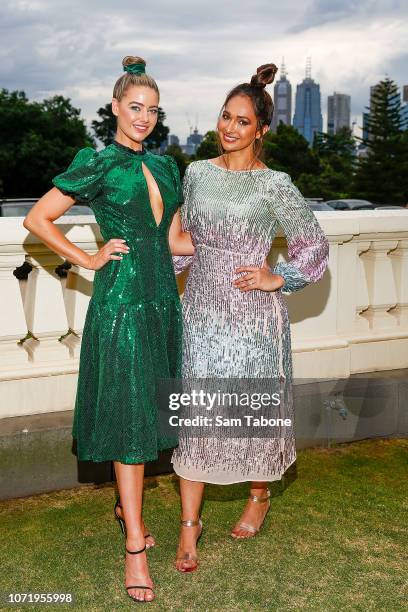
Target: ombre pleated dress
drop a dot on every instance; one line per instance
(233, 217)
(132, 331)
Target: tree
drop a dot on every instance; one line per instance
(288, 151)
(381, 174)
(105, 128)
(181, 159)
(332, 146)
(337, 158)
(208, 148)
(37, 141)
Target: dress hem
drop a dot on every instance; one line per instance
(278, 477)
(125, 460)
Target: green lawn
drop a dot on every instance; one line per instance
(335, 539)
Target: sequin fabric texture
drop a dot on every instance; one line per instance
(233, 217)
(132, 331)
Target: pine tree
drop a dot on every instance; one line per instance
(381, 174)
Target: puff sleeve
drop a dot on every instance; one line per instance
(83, 179)
(182, 262)
(308, 247)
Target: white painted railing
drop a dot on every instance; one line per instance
(354, 320)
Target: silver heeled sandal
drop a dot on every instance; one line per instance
(187, 556)
(250, 528)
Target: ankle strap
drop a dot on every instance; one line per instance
(257, 498)
(136, 552)
(190, 522)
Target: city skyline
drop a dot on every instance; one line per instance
(338, 110)
(197, 52)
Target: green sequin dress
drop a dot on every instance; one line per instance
(132, 331)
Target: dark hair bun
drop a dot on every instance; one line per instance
(264, 76)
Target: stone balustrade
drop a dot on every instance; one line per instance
(354, 320)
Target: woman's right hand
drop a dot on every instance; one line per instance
(107, 253)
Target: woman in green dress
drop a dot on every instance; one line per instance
(132, 331)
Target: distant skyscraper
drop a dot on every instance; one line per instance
(366, 117)
(308, 115)
(404, 117)
(338, 112)
(405, 93)
(195, 138)
(193, 142)
(282, 99)
(174, 140)
(373, 90)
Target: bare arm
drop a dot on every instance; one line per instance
(180, 242)
(40, 219)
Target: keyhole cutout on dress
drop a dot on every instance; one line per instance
(155, 197)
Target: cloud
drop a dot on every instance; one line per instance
(321, 12)
(197, 50)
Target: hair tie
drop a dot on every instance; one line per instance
(135, 68)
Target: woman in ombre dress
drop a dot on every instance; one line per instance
(235, 318)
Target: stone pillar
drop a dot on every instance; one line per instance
(77, 291)
(44, 307)
(380, 284)
(361, 324)
(399, 262)
(13, 326)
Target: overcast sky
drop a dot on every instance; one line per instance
(198, 50)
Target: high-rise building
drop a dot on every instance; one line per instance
(373, 90)
(404, 117)
(193, 142)
(282, 99)
(174, 140)
(366, 117)
(308, 115)
(338, 112)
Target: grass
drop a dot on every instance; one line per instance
(335, 539)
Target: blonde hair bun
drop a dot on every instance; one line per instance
(132, 59)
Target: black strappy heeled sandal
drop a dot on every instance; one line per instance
(122, 523)
(120, 520)
(138, 586)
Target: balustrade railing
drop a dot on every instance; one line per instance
(354, 320)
